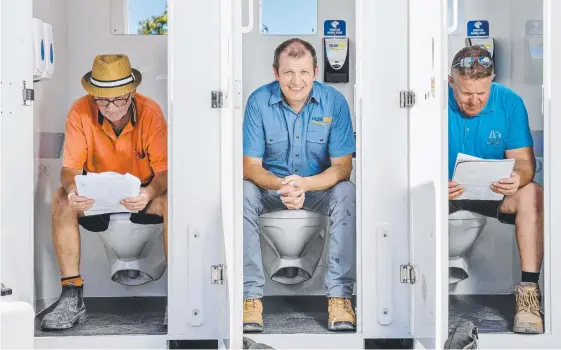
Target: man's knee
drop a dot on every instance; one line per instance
(251, 196)
(344, 191)
(159, 205)
(532, 196)
(60, 203)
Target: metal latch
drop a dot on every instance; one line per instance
(406, 99)
(217, 98)
(218, 274)
(408, 274)
(5, 290)
(28, 95)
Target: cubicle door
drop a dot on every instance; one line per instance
(231, 165)
(16, 145)
(426, 155)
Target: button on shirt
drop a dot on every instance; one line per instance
(502, 125)
(297, 143)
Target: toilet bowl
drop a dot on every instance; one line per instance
(292, 243)
(135, 251)
(464, 228)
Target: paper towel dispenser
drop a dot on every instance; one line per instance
(43, 50)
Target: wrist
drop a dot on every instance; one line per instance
(71, 193)
(307, 183)
(149, 192)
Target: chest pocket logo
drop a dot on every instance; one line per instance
(495, 137)
(323, 121)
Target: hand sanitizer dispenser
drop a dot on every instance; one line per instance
(40, 62)
(336, 57)
(49, 51)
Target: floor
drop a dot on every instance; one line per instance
(295, 314)
(490, 313)
(116, 316)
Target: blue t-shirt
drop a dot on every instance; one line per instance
(502, 125)
(293, 143)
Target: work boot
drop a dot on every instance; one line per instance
(252, 315)
(70, 309)
(463, 336)
(341, 315)
(528, 303)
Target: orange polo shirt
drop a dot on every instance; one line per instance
(140, 149)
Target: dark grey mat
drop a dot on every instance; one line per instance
(295, 314)
(115, 316)
(490, 313)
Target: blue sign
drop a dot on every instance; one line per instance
(477, 28)
(335, 27)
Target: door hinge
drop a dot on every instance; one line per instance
(408, 274)
(406, 99)
(217, 274)
(28, 95)
(217, 99)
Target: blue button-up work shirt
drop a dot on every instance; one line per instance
(502, 125)
(297, 143)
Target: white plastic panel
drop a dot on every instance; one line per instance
(194, 163)
(425, 148)
(382, 171)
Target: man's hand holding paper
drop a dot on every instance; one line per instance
(507, 186)
(482, 179)
(111, 192)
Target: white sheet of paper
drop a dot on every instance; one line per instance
(107, 190)
(477, 175)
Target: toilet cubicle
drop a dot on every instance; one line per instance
(295, 314)
(484, 263)
(127, 281)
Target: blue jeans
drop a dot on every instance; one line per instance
(338, 203)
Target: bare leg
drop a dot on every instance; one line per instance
(159, 206)
(527, 203)
(66, 235)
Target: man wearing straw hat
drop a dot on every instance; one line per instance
(112, 128)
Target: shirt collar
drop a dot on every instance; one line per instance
(489, 107)
(276, 93)
(132, 109)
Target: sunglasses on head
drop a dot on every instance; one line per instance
(468, 62)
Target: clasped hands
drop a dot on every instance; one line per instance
(505, 187)
(293, 191)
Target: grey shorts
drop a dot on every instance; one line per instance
(490, 209)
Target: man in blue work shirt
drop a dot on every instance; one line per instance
(490, 121)
(298, 147)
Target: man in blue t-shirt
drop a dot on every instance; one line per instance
(490, 121)
(298, 144)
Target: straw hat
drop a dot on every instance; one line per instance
(111, 76)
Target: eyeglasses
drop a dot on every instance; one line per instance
(118, 102)
(468, 62)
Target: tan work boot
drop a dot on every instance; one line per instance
(252, 315)
(528, 303)
(341, 315)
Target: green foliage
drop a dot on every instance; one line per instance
(157, 25)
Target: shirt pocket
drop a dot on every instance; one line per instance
(276, 146)
(316, 144)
